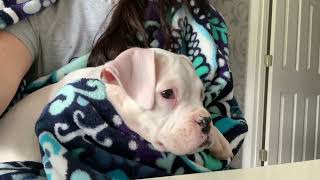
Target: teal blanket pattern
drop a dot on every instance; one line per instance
(79, 131)
(81, 136)
(204, 39)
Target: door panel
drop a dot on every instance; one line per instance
(294, 82)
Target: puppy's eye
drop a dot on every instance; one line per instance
(168, 94)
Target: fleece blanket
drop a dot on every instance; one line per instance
(203, 37)
(81, 135)
(13, 11)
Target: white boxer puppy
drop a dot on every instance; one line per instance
(157, 94)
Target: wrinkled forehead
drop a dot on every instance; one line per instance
(174, 61)
(176, 67)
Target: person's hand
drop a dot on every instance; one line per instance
(15, 61)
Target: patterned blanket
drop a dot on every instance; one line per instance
(13, 11)
(94, 150)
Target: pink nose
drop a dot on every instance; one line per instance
(202, 112)
(204, 123)
(202, 118)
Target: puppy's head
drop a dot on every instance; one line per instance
(161, 99)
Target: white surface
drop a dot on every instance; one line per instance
(294, 86)
(309, 170)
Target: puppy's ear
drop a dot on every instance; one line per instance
(134, 71)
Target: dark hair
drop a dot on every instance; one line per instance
(127, 23)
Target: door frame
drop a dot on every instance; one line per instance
(255, 101)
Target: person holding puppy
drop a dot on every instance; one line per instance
(68, 29)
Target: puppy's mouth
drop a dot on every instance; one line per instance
(206, 143)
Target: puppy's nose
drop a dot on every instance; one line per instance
(204, 123)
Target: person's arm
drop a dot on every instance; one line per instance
(15, 60)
